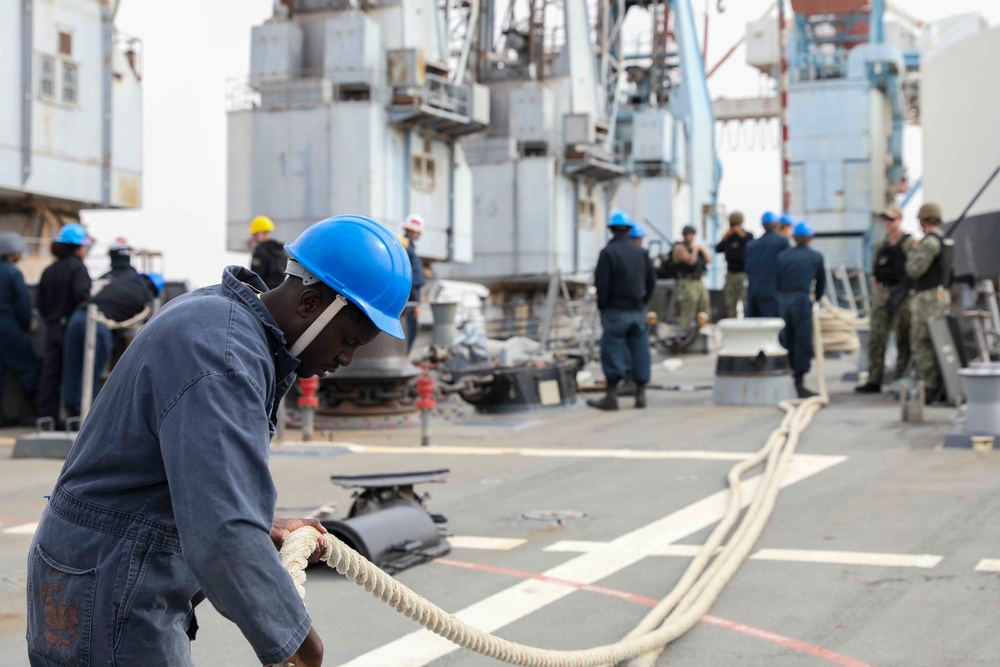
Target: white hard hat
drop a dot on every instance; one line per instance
(414, 223)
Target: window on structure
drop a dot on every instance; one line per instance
(423, 166)
(68, 83)
(65, 44)
(47, 77)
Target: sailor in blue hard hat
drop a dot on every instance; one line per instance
(169, 474)
(624, 280)
(798, 270)
(761, 255)
(785, 224)
(637, 234)
(64, 285)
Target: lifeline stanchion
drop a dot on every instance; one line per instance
(681, 610)
(89, 352)
(94, 317)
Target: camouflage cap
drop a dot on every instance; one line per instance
(930, 212)
(736, 218)
(892, 213)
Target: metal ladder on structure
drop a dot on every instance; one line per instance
(848, 288)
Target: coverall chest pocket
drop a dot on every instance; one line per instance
(60, 610)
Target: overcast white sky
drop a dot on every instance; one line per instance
(191, 47)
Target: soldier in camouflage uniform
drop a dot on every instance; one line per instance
(890, 301)
(926, 265)
(734, 245)
(691, 261)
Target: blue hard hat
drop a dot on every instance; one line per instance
(768, 218)
(637, 232)
(620, 218)
(363, 262)
(73, 234)
(803, 228)
(786, 219)
(158, 282)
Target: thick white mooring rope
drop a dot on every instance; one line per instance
(682, 609)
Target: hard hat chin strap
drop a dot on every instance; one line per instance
(314, 330)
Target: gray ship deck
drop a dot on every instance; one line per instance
(870, 557)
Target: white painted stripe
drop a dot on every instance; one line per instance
(988, 565)
(459, 450)
(421, 647)
(21, 529)
(573, 546)
(925, 561)
(485, 543)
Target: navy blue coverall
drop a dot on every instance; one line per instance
(16, 353)
(166, 497)
(762, 289)
(625, 280)
(797, 269)
(64, 285)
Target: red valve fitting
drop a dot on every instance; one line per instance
(425, 391)
(308, 386)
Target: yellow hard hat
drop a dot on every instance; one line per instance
(261, 223)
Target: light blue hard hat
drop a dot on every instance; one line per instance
(73, 234)
(158, 281)
(362, 261)
(768, 218)
(803, 228)
(786, 219)
(620, 218)
(637, 232)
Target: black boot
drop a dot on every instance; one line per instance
(800, 388)
(640, 395)
(868, 388)
(610, 400)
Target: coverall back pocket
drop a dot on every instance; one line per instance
(60, 610)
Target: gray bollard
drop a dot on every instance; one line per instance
(753, 368)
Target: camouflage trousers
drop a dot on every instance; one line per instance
(882, 323)
(692, 298)
(924, 306)
(735, 290)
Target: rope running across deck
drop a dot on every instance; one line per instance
(692, 597)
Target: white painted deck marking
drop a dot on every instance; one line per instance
(988, 565)
(925, 561)
(485, 543)
(421, 647)
(541, 452)
(21, 529)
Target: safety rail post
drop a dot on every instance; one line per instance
(89, 358)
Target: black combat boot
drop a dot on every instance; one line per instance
(868, 388)
(610, 400)
(640, 395)
(800, 388)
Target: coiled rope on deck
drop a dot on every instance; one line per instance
(692, 597)
(838, 327)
